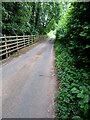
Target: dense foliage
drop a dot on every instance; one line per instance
(29, 17)
(72, 63)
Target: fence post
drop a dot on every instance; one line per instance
(28, 40)
(17, 42)
(6, 46)
(24, 40)
(33, 39)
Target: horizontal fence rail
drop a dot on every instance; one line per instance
(10, 44)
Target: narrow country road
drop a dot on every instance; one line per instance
(29, 84)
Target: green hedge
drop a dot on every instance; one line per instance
(72, 64)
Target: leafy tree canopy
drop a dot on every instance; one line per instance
(29, 17)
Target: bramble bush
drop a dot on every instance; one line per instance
(72, 64)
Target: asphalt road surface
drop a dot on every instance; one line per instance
(29, 84)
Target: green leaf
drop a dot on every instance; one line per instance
(80, 95)
(86, 99)
(83, 34)
(87, 46)
(74, 90)
(76, 118)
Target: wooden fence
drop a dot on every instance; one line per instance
(10, 44)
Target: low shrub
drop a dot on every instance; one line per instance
(73, 94)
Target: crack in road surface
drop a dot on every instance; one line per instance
(29, 84)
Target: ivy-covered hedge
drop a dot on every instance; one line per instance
(72, 62)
